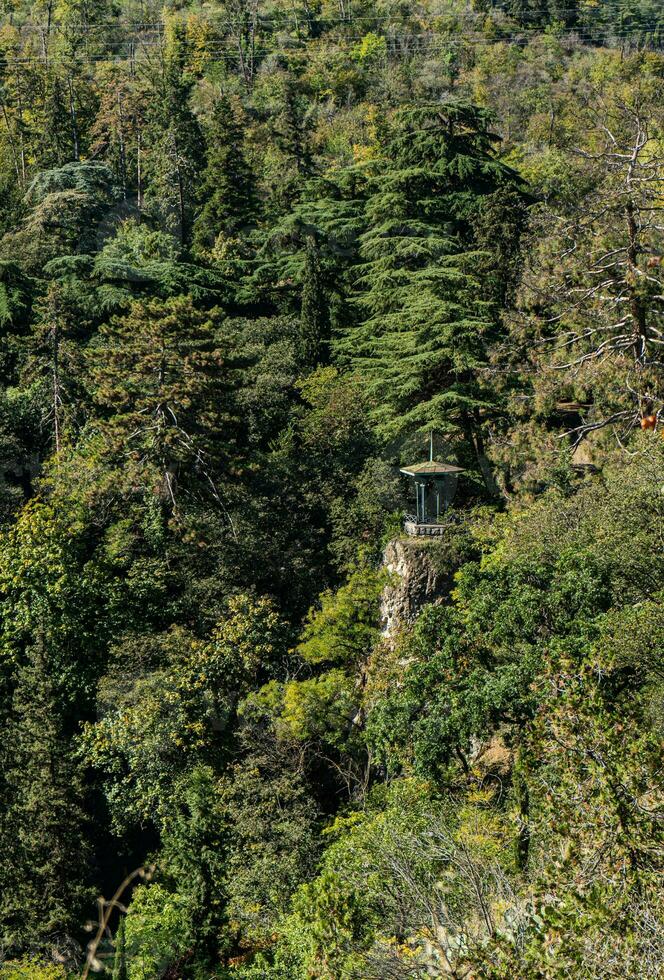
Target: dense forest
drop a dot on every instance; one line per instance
(256, 257)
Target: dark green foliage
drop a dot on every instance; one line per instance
(69, 211)
(194, 858)
(227, 186)
(424, 340)
(272, 842)
(314, 317)
(44, 864)
(176, 149)
(373, 512)
(15, 291)
(475, 666)
(162, 387)
(253, 254)
(139, 262)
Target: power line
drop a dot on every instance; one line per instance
(292, 21)
(422, 43)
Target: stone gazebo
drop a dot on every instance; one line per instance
(435, 488)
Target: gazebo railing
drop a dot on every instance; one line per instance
(430, 528)
(414, 519)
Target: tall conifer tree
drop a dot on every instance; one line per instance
(177, 146)
(227, 184)
(427, 319)
(164, 384)
(314, 316)
(42, 851)
(120, 971)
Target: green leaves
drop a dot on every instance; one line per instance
(158, 930)
(44, 852)
(70, 210)
(170, 700)
(161, 378)
(246, 260)
(345, 628)
(426, 323)
(228, 185)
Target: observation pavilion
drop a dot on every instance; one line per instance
(435, 489)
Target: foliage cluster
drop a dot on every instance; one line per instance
(252, 253)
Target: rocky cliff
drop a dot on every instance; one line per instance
(417, 577)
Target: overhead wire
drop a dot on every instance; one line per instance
(218, 50)
(421, 40)
(291, 20)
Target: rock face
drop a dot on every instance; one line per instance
(416, 581)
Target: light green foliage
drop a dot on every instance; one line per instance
(345, 628)
(50, 591)
(411, 876)
(371, 48)
(538, 590)
(320, 711)
(31, 969)
(157, 930)
(322, 706)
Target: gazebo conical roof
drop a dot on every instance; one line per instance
(431, 468)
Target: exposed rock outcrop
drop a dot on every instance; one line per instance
(417, 579)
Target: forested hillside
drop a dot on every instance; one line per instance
(256, 257)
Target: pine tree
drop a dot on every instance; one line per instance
(428, 320)
(227, 184)
(162, 385)
(314, 317)
(53, 360)
(43, 856)
(68, 211)
(116, 134)
(287, 133)
(55, 147)
(176, 147)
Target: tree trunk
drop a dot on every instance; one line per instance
(636, 307)
(123, 149)
(473, 428)
(56, 385)
(74, 122)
